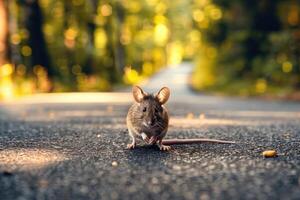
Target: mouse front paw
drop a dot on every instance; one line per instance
(153, 140)
(131, 146)
(165, 148)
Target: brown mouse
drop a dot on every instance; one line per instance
(148, 118)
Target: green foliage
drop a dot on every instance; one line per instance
(243, 47)
(93, 45)
(258, 47)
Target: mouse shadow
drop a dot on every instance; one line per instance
(146, 154)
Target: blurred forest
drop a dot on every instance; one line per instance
(240, 46)
(253, 49)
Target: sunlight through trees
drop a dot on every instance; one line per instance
(238, 47)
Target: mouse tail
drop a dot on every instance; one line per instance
(195, 141)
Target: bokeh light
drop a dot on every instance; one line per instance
(100, 38)
(26, 51)
(105, 10)
(287, 67)
(261, 85)
(6, 83)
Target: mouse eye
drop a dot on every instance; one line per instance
(157, 110)
(144, 109)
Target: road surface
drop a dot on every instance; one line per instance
(72, 146)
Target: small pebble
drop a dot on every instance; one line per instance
(114, 163)
(176, 167)
(154, 180)
(269, 154)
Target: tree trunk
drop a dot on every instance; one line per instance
(119, 49)
(116, 48)
(3, 33)
(34, 23)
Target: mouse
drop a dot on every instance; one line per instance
(148, 119)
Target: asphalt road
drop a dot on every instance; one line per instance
(72, 146)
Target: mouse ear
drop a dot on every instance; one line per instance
(138, 93)
(163, 95)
